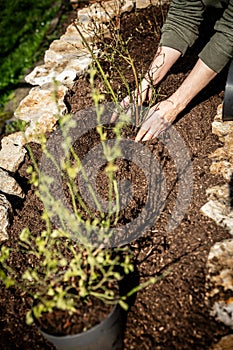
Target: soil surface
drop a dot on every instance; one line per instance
(171, 314)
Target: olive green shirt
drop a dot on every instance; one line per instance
(181, 29)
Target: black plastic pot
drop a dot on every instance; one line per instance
(107, 335)
(227, 113)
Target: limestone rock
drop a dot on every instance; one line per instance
(225, 152)
(63, 63)
(219, 281)
(220, 193)
(42, 110)
(222, 168)
(5, 210)
(9, 185)
(17, 138)
(225, 343)
(99, 12)
(218, 116)
(73, 37)
(142, 4)
(219, 206)
(61, 52)
(127, 6)
(12, 152)
(220, 213)
(221, 129)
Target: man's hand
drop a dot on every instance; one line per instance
(159, 118)
(164, 58)
(164, 113)
(138, 97)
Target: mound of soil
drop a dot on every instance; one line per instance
(171, 314)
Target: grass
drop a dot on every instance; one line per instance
(24, 31)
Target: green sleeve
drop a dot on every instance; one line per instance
(219, 50)
(181, 27)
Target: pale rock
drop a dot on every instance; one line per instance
(17, 138)
(90, 31)
(64, 73)
(99, 12)
(142, 4)
(127, 6)
(63, 63)
(223, 311)
(221, 129)
(42, 110)
(225, 152)
(112, 8)
(69, 74)
(60, 52)
(5, 210)
(222, 168)
(222, 158)
(159, 2)
(73, 37)
(220, 213)
(219, 281)
(225, 343)
(218, 116)
(220, 193)
(9, 185)
(84, 18)
(12, 152)
(40, 76)
(229, 145)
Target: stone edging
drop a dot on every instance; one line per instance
(219, 277)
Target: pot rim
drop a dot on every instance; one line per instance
(116, 308)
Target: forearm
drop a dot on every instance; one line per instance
(164, 59)
(164, 113)
(198, 78)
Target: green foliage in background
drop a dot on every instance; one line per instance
(23, 26)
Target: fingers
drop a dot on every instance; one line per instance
(123, 106)
(140, 135)
(141, 95)
(152, 126)
(114, 117)
(137, 98)
(144, 92)
(146, 135)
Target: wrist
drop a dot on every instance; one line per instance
(154, 75)
(164, 59)
(178, 102)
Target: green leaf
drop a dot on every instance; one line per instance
(27, 276)
(24, 235)
(123, 305)
(29, 318)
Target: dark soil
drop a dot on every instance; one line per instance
(171, 314)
